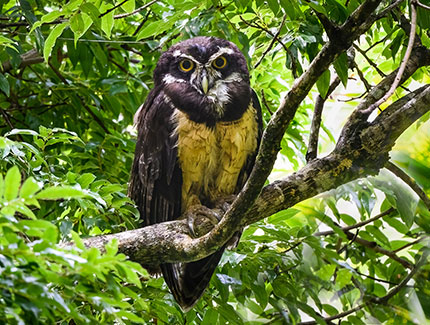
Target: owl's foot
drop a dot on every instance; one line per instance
(201, 219)
(224, 203)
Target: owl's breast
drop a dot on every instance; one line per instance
(211, 158)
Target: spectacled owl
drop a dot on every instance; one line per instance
(198, 134)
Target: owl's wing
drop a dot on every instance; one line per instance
(156, 178)
(249, 163)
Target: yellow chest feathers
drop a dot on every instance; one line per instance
(211, 158)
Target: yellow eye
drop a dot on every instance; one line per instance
(186, 65)
(220, 62)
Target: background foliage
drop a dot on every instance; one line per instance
(67, 142)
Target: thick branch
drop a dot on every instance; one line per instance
(365, 154)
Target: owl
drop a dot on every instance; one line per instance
(198, 134)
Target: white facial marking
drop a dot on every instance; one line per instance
(221, 51)
(168, 79)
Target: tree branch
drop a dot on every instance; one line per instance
(364, 154)
(28, 58)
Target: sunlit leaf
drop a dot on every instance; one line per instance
(52, 38)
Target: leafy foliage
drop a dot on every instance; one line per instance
(75, 72)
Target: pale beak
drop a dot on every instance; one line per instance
(205, 83)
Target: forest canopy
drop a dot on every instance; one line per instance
(336, 213)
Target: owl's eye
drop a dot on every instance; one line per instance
(186, 65)
(219, 63)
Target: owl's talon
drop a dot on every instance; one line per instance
(197, 218)
(224, 203)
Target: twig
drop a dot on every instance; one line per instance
(389, 8)
(416, 241)
(135, 11)
(379, 42)
(375, 279)
(362, 78)
(402, 67)
(312, 151)
(112, 9)
(404, 282)
(263, 98)
(409, 181)
(357, 225)
(258, 26)
(275, 37)
(24, 23)
(419, 4)
(142, 23)
(373, 64)
(378, 249)
(316, 121)
(341, 315)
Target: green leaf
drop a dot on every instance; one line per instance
(107, 24)
(77, 240)
(129, 6)
(341, 67)
(4, 85)
(49, 17)
(60, 192)
(79, 24)
(52, 38)
(158, 27)
(329, 309)
(86, 179)
(23, 209)
(92, 11)
(323, 83)
(130, 316)
(29, 187)
(39, 228)
(12, 182)
(5, 40)
(2, 185)
(343, 278)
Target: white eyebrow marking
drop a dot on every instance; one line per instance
(222, 50)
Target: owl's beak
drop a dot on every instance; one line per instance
(205, 83)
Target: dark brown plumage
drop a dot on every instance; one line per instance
(198, 133)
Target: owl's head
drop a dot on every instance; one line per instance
(205, 77)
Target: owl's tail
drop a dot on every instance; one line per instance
(188, 281)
